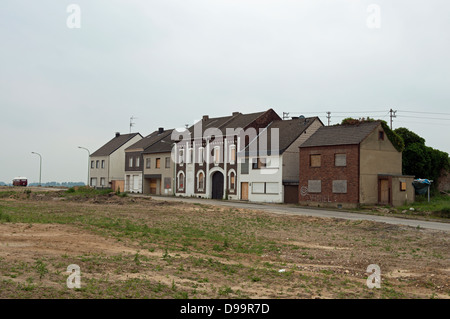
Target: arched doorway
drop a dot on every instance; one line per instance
(217, 185)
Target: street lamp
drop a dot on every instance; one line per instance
(40, 166)
(89, 156)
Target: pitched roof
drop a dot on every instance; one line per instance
(143, 144)
(162, 145)
(341, 134)
(236, 120)
(118, 141)
(288, 132)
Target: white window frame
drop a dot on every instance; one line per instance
(198, 180)
(178, 181)
(201, 155)
(229, 179)
(232, 159)
(216, 155)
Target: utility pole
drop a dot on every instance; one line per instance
(392, 115)
(328, 117)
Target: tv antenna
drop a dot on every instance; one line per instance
(131, 122)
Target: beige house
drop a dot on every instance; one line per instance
(107, 164)
(159, 168)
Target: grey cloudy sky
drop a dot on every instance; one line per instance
(168, 62)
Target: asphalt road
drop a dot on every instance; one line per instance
(315, 212)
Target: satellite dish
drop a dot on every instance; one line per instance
(301, 117)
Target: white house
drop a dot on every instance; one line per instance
(269, 165)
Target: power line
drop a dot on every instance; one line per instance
(429, 118)
(424, 112)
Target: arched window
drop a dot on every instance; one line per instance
(232, 180)
(200, 181)
(181, 181)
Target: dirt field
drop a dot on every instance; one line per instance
(143, 248)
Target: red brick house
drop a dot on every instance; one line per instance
(352, 165)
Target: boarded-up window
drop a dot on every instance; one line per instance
(402, 186)
(340, 186)
(315, 160)
(258, 188)
(201, 181)
(340, 159)
(232, 154)
(272, 188)
(314, 186)
(232, 180)
(158, 163)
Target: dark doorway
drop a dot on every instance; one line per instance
(217, 185)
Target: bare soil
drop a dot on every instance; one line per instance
(143, 248)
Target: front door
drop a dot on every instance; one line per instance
(217, 185)
(244, 191)
(153, 186)
(384, 191)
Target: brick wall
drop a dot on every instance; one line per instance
(327, 173)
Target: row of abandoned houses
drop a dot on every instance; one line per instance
(258, 157)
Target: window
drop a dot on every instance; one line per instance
(232, 180)
(315, 160)
(92, 164)
(167, 162)
(258, 188)
(232, 154)
(97, 164)
(340, 187)
(130, 162)
(103, 163)
(381, 135)
(244, 166)
(138, 161)
(167, 183)
(158, 163)
(201, 156)
(402, 186)
(94, 181)
(102, 181)
(200, 181)
(181, 181)
(340, 159)
(147, 162)
(272, 188)
(314, 186)
(181, 157)
(216, 155)
(259, 163)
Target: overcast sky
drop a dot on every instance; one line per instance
(168, 62)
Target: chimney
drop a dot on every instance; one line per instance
(161, 130)
(205, 117)
(117, 134)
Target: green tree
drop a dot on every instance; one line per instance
(420, 160)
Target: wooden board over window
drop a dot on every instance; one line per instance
(316, 160)
(402, 186)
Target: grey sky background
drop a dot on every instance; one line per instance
(168, 62)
